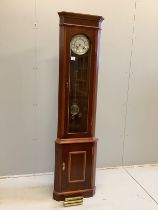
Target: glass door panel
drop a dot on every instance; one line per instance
(78, 93)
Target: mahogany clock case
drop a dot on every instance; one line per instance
(75, 147)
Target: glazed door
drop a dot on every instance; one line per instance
(77, 166)
(80, 84)
(78, 93)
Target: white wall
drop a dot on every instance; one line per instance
(141, 143)
(127, 91)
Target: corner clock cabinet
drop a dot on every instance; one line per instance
(75, 147)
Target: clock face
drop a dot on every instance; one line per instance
(79, 44)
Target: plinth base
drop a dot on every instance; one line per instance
(60, 196)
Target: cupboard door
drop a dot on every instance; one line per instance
(77, 167)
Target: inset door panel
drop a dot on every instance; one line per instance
(77, 158)
(79, 163)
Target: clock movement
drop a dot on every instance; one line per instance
(75, 146)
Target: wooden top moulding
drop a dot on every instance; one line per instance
(78, 19)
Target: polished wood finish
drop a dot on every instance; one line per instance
(79, 175)
(75, 153)
(78, 178)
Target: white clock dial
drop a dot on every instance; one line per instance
(79, 44)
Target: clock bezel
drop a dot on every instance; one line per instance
(86, 49)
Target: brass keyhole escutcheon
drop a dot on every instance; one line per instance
(63, 166)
